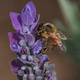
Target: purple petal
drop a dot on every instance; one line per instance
(26, 28)
(13, 38)
(35, 23)
(27, 19)
(37, 48)
(25, 77)
(22, 43)
(30, 38)
(20, 72)
(46, 60)
(44, 57)
(39, 78)
(16, 65)
(51, 67)
(16, 20)
(23, 57)
(40, 41)
(31, 8)
(54, 73)
(54, 76)
(20, 35)
(31, 76)
(42, 66)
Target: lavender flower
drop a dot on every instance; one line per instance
(26, 21)
(29, 65)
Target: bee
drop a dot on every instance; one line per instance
(52, 37)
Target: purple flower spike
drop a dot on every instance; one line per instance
(31, 63)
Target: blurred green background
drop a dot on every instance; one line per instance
(65, 14)
(71, 13)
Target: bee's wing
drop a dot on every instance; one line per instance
(63, 34)
(62, 46)
(60, 42)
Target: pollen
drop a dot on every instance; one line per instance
(25, 50)
(37, 61)
(24, 79)
(50, 77)
(45, 78)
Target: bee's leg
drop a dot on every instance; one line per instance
(46, 45)
(43, 50)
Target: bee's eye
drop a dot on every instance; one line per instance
(39, 28)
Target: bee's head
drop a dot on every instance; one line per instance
(49, 27)
(39, 28)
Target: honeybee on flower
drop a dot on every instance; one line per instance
(52, 36)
